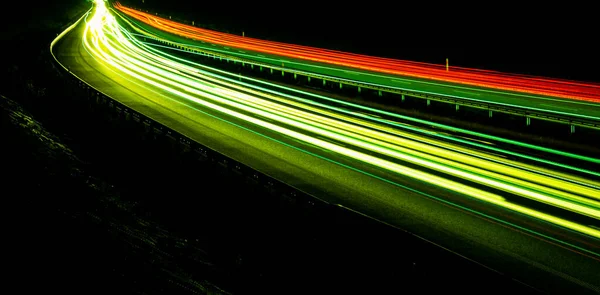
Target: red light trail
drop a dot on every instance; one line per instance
(467, 76)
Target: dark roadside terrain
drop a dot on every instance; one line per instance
(98, 206)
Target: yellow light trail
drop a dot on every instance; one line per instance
(371, 117)
(104, 39)
(277, 108)
(521, 173)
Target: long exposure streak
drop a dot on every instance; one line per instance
(474, 174)
(466, 76)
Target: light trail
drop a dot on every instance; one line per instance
(487, 178)
(373, 117)
(473, 77)
(357, 131)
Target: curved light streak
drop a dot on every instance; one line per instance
(481, 78)
(347, 136)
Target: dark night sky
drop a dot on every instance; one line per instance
(542, 39)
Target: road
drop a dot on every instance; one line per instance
(351, 161)
(542, 94)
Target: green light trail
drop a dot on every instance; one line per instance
(367, 141)
(410, 119)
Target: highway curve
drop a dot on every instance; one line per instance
(266, 131)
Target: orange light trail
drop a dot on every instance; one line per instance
(467, 76)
